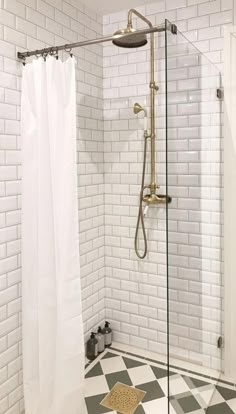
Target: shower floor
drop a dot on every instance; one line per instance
(190, 392)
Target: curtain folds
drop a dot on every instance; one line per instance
(53, 348)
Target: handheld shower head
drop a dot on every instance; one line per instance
(138, 108)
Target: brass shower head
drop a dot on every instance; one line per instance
(138, 108)
(138, 39)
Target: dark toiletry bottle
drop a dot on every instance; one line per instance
(92, 347)
(107, 332)
(101, 340)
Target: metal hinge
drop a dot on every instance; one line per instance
(174, 29)
(220, 93)
(220, 342)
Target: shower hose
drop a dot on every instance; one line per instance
(140, 213)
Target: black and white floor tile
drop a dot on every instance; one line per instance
(190, 393)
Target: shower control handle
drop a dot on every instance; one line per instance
(156, 199)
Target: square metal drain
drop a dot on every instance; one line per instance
(123, 398)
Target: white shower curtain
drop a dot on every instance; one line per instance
(53, 350)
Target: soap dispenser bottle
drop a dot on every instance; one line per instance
(101, 340)
(107, 332)
(92, 347)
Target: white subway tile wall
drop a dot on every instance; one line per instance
(110, 146)
(33, 24)
(136, 290)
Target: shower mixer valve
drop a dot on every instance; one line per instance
(154, 198)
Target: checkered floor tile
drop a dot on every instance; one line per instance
(189, 394)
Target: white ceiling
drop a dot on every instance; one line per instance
(112, 6)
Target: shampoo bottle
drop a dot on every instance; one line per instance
(92, 347)
(101, 340)
(107, 332)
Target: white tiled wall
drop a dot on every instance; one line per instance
(34, 24)
(136, 291)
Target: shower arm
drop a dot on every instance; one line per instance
(153, 88)
(130, 15)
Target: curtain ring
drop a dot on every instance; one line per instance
(37, 55)
(55, 54)
(68, 50)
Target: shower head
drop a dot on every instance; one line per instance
(138, 108)
(137, 40)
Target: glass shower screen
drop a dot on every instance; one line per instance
(194, 224)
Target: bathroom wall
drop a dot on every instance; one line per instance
(135, 290)
(31, 24)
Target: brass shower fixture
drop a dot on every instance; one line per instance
(138, 108)
(138, 41)
(151, 197)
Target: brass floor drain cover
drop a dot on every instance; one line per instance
(123, 399)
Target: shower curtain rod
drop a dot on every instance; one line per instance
(69, 47)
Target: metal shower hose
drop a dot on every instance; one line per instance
(140, 213)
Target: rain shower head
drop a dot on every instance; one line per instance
(137, 40)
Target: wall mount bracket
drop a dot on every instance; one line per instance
(220, 342)
(220, 93)
(174, 29)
